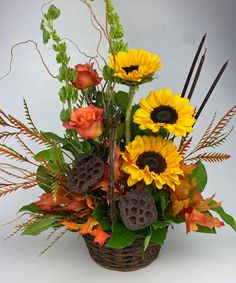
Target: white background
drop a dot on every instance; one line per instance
(172, 29)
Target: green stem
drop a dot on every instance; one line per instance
(132, 91)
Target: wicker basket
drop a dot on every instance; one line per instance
(127, 259)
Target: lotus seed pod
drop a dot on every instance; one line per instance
(87, 172)
(138, 210)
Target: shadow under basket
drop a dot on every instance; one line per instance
(126, 259)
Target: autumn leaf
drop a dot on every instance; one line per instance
(100, 236)
(204, 205)
(71, 225)
(87, 228)
(197, 218)
(81, 205)
(188, 168)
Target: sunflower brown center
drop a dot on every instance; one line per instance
(154, 160)
(130, 69)
(164, 114)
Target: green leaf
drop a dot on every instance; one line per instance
(46, 36)
(145, 244)
(203, 229)
(121, 237)
(122, 99)
(53, 13)
(29, 207)
(53, 137)
(200, 174)
(39, 226)
(99, 213)
(159, 236)
(120, 132)
(175, 220)
(160, 224)
(44, 179)
(43, 155)
(224, 216)
(107, 73)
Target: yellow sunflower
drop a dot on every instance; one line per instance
(152, 159)
(163, 109)
(135, 65)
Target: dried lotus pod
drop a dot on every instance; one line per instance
(138, 210)
(87, 172)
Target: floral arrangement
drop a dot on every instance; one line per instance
(122, 171)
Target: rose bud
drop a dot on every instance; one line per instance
(86, 76)
(88, 122)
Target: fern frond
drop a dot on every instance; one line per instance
(29, 185)
(36, 137)
(11, 153)
(224, 121)
(52, 233)
(5, 135)
(55, 189)
(58, 237)
(11, 174)
(211, 157)
(17, 230)
(4, 118)
(215, 137)
(28, 117)
(222, 139)
(20, 227)
(207, 132)
(24, 146)
(12, 189)
(184, 147)
(217, 132)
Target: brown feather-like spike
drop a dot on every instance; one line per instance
(211, 157)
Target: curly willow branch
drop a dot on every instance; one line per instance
(40, 55)
(45, 4)
(84, 53)
(99, 27)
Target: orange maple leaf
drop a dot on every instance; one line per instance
(197, 218)
(81, 205)
(71, 225)
(100, 236)
(87, 227)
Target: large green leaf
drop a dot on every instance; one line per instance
(203, 229)
(44, 179)
(98, 214)
(160, 224)
(53, 137)
(159, 236)
(225, 216)
(122, 99)
(39, 226)
(43, 155)
(121, 237)
(30, 207)
(200, 174)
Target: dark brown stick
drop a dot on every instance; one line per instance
(193, 65)
(197, 75)
(211, 89)
(111, 194)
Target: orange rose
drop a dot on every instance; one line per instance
(88, 121)
(86, 76)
